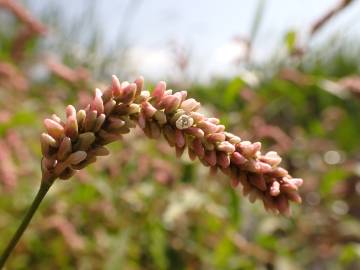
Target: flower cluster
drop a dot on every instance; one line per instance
(73, 144)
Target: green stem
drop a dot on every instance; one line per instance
(44, 188)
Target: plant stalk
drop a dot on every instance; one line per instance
(44, 188)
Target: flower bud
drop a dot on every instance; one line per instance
(76, 158)
(179, 138)
(223, 159)
(139, 85)
(226, 147)
(99, 122)
(237, 158)
(80, 117)
(159, 91)
(71, 127)
(194, 131)
(198, 148)
(84, 141)
(215, 137)
(197, 116)
(116, 86)
(258, 181)
(272, 158)
(97, 103)
(128, 94)
(70, 111)
(190, 105)
(47, 139)
(109, 106)
(210, 157)
(54, 129)
(160, 117)
(90, 120)
(169, 134)
(148, 109)
(99, 151)
(64, 149)
(207, 127)
(169, 103)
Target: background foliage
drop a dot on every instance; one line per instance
(141, 208)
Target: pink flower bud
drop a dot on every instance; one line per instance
(84, 141)
(169, 103)
(215, 137)
(160, 117)
(278, 172)
(109, 106)
(272, 158)
(210, 157)
(77, 157)
(97, 103)
(223, 159)
(190, 105)
(264, 167)
(47, 139)
(128, 94)
(148, 109)
(258, 181)
(207, 127)
(169, 134)
(54, 129)
(220, 128)
(116, 86)
(249, 149)
(159, 91)
(237, 158)
(70, 111)
(198, 148)
(142, 120)
(197, 132)
(139, 85)
(64, 149)
(293, 196)
(90, 120)
(71, 127)
(179, 138)
(226, 147)
(99, 122)
(197, 116)
(99, 151)
(80, 117)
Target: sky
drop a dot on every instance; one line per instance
(204, 28)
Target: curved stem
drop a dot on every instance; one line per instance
(44, 188)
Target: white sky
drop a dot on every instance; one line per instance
(205, 27)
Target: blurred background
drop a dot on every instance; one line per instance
(286, 73)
